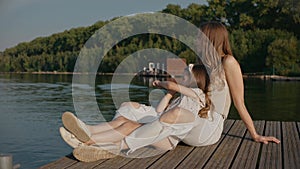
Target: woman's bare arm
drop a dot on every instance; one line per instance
(235, 82)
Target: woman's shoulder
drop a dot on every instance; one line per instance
(229, 61)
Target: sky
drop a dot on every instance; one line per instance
(24, 20)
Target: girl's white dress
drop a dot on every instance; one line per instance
(197, 132)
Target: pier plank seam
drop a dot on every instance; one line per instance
(196, 159)
(116, 162)
(271, 155)
(61, 163)
(173, 156)
(121, 162)
(248, 154)
(291, 149)
(224, 155)
(80, 164)
(142, 162)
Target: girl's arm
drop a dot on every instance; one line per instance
(235, 82)
(164, 102)
(172, 88)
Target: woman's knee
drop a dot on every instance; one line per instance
(177, 115)
(170, 116)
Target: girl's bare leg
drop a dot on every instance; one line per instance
(114, 135)
(105, 126)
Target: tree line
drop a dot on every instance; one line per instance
(264, 37)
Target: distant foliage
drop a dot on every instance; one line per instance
(264, 36)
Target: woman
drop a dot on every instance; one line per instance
(228, 81)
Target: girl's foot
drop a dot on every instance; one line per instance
(76, 126)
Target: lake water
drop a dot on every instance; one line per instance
(31, 107)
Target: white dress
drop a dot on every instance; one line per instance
(143, 114)
(156, 131)
(207, 132)
(199, 132)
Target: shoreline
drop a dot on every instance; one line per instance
(65, 73)
(273, 77)
(246, 76)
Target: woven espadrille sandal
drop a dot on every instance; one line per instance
(76, 127)
(69, 138)
(95, 152)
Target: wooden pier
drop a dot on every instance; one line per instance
(235, 149)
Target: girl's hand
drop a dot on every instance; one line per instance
(266, 139)
(156, 83)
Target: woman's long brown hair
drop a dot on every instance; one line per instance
(217, 33)
(203, 81)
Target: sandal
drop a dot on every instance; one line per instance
(76, 126)
(69, 138)
(95, 152)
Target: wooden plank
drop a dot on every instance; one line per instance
(291, 145)
(81, 165)
(63, 162)
(224, 154)
(172, 158)
(249, 151)
(128, 160)
(271, 153)
(200, 155)
(142, 162)
(116, 162)
(232, 151)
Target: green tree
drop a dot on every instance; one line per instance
(282, 55)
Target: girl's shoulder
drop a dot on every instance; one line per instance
(199, 92)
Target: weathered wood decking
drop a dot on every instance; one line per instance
(234, 150)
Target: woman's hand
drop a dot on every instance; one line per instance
(266, 139)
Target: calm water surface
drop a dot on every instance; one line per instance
(31, 107)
